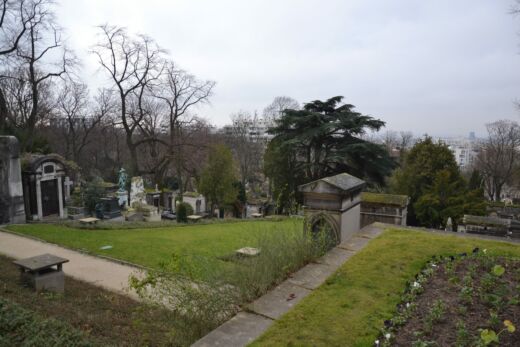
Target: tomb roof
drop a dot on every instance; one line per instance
(387, 199)
(343, 182)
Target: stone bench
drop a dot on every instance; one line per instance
(43, 272)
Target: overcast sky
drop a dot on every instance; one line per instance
(443, 67)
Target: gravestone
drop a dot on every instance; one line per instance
(137, 192)
(110, 207)
(122, 194)
(12, 208)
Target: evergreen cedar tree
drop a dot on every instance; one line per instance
(323, 139)
(431, 178)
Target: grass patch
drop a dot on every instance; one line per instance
(153, 247)
(351, 306)
(199, 306)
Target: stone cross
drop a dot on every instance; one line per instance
(68, 184)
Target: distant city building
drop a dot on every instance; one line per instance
(465, 150)
(256, 129)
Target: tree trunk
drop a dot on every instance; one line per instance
(3, 112)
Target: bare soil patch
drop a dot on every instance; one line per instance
(469, 300)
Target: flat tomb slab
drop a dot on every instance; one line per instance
(279, 300)
(336, 257)
(370, 232)
(89, 220)
(248, 252)
(194, 217)
(240, 330)
(40, 262)
(312, 276)
(354, 244)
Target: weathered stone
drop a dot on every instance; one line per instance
(354, 244)
(332, 206)
(336, 257)
(137, 192)
(312, 275)
(240, 330)
(279, 300)
(248, 252)
(369, 232)
(12, 209)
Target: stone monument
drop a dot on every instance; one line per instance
(137, 192)
(12, 209)
(122, 194)
(332, 205)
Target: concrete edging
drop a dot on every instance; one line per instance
(259, 315)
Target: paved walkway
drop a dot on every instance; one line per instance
(247, 326)
(100, 272)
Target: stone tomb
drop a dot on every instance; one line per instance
(384, 208)
(12, 208)
(40, 273)
(43, 186)
(110, 208)
(137, 192)
(333, 204)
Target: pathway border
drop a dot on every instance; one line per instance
(247, 325)
(98, 271)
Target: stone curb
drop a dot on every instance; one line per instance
(82, 251)
(248, 325)
(442, 232)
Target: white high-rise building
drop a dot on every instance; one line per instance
(464, 150)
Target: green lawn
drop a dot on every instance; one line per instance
(350, 307)
(150, 247)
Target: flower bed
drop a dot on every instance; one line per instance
(463, 300)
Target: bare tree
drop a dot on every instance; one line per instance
(14, 18)
(276, 108)
(498, 157)
(132, 62)
(181, 92)
(246, 145)
(41, 57)
(78, 116)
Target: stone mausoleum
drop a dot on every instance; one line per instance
(333, 204)
(44, 178)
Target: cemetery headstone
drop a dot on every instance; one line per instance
(122, 194)
(12, 209)
(137, 192)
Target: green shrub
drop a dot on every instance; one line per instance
(21, 327)
(92, 194)
(183, 210)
